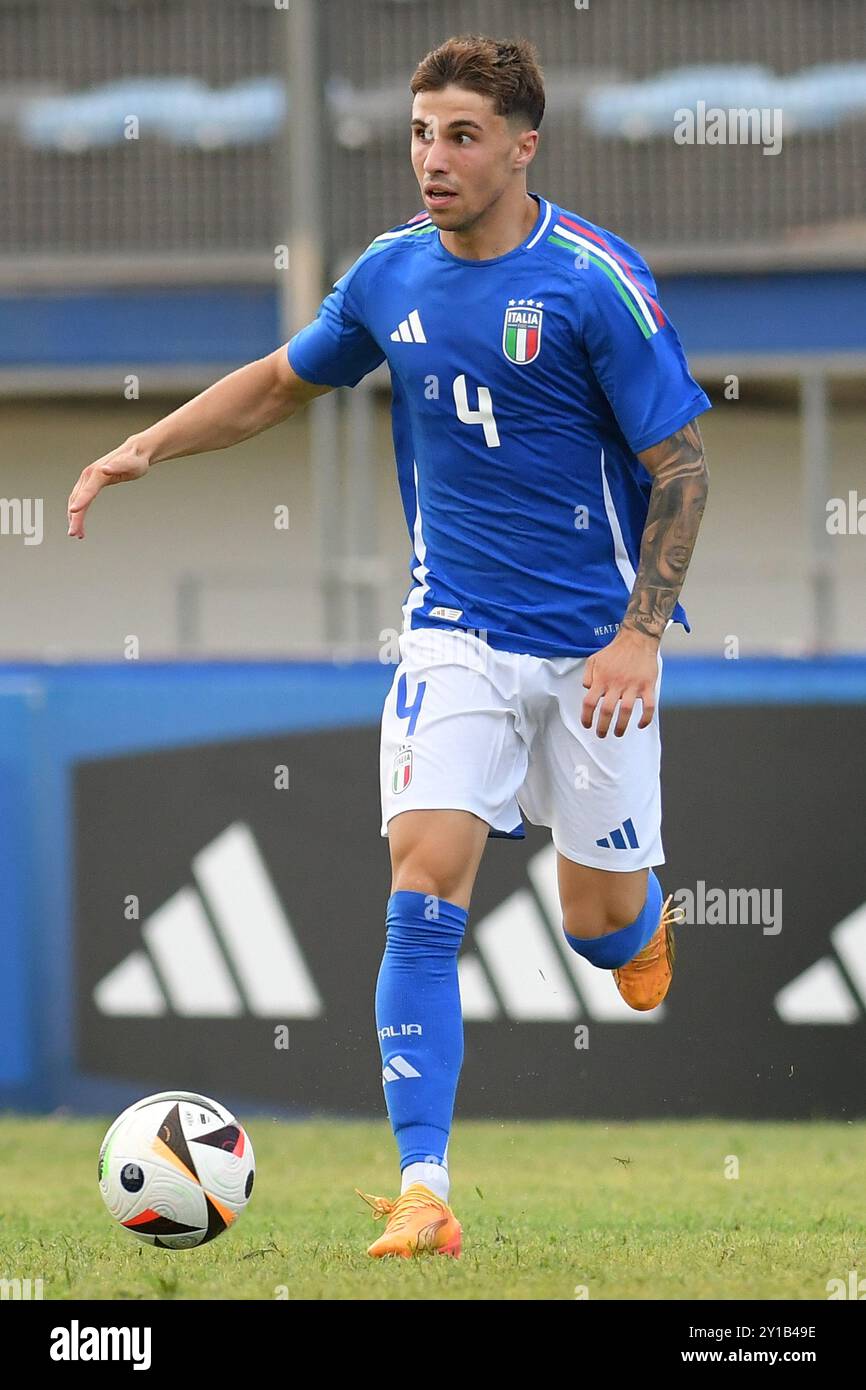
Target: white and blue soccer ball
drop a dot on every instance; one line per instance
(176, 1169)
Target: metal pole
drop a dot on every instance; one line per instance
(303, 285)
(816, 492)
(361, 513)
(188, 614)
(324, 421)
(303, 142)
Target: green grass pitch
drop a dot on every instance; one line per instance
(549, 1211)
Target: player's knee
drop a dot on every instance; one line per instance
(588, 918)
(416, 879)
(587, 923)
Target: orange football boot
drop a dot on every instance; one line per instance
(419, 1223)
(644, 981)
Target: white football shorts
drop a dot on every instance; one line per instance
(468, 727)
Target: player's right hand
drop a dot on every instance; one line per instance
(122, 465)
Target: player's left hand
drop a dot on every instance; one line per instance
(624, 671)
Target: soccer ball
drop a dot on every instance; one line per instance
(176, 1169)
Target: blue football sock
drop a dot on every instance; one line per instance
(618, 947)
(420, 1022)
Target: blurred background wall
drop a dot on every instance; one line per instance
(192, 564)
(181, 181)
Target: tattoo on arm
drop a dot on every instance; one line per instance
(679, 492)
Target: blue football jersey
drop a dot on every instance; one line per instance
(523, 386)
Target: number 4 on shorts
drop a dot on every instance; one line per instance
(407, 711)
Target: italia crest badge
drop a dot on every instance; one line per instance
(401, 773)
(521, 332)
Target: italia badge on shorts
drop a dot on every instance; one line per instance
(521, 332)
(402, 774)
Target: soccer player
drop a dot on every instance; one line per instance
(553, 479)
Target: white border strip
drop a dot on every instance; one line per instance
(404, 231)
(418, 593)
(620, 554)
(540, 233)
(618, 271)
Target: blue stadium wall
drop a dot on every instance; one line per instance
(114, 778)
(780, 313)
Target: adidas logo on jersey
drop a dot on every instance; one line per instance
(822, 993)
(410, 330)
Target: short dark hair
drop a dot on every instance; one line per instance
(508, 71)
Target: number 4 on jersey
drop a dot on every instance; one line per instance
(482, 416)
